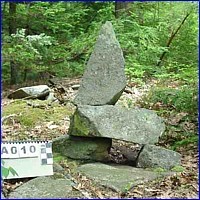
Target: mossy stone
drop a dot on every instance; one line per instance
(83, 148)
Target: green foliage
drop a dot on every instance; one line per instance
(143, 36)
(6, 170)
(182, 100)
(127, 187)
(186, 73)
(28, 52)
(191, 139)
(169, 102)
(58, 37)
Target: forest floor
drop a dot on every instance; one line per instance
(21, 121)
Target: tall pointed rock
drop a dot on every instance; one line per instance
(104, 78)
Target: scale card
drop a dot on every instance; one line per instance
(27, 158)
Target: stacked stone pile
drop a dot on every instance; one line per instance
(97, 120)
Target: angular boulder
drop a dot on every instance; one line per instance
(153, 156)
(120, 178)
(137, 125)
(83, 148)
(38, 91)
(104, 78)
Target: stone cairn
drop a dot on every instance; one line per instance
(97, 120)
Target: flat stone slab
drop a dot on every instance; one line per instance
(153, 156)
(120, 178)
(137, 125)
(104, 78)
(33, 91)
(43, 187)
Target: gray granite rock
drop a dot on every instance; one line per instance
(153, 156)
(120, 178)
(39, 91)
(57, 168)
(104, 78)
(43, 187)
(137, 125)
(83, 148)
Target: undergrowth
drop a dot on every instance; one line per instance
(177, 104)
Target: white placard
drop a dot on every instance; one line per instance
(28, 158)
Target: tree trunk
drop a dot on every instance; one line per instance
(26, 69)
(12, 30)
(121, 7)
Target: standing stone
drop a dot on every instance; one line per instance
(104, 79)
(83, 148)
(137, 125)
(153, 156)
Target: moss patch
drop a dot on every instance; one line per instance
(81, 127)
(159, 170)
(29, 116)
(83, 148)
(67, 162)
(178, 168)
(58, 157)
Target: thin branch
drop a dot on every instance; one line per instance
(173, 34)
